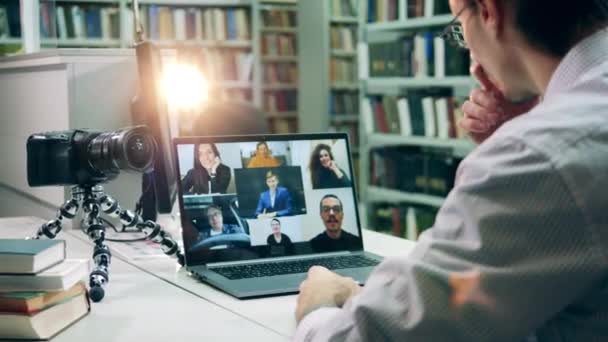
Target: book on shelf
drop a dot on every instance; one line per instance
(280, 101)
(343, 102)
(431, 113)
(342, 70)
(343, 8)
(343, 38)
(79, 21)
(278, 44)
(41, 319)
(280, 73)
(5, 31)
(413, 169)
(406, 220)
(10, 24)
(56, 278)
(194, 23)
(279, 18)
(30, 256)
(391, 10)
(227, 65)
(417, 54)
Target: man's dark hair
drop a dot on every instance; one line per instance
(329, 196)
(555, 26)
(275, 220)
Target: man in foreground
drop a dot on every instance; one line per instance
(519, 250)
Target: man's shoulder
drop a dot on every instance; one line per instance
(349, 236)
(319, 237)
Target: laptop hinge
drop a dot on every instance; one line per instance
(279, 259)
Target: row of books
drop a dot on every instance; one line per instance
(278, 101)
(281, 73)
(10, 26)
(350, 128)
(343, 38)
(419, 113)
(279, 44)
(41, 292)
(76, 21)
(343, 8)
(283, 125)
(279, 18)
(179, 23)
(227, 65)
(388, 10)
(413, 169)
(404, 220)
(342, 70)
(343, 103)
(420, 54)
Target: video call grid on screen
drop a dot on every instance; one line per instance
(240, 186)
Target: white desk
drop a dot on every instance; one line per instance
(155, 300)
(141, 307)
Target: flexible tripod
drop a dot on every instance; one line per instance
(92, 198)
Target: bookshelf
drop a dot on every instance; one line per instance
(278, 63)
(329, 86)
(411, 85)
(248, 47)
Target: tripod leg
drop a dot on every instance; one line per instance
(102, 257)
(151, 229)
(53, 227)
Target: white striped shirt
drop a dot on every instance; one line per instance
(519, 250)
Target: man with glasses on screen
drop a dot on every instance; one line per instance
(519, 249)
(334, 238)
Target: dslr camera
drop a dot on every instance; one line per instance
(87, 157)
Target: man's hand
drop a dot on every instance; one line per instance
(487, 107)
(324, 288)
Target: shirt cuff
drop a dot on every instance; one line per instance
(309, 326)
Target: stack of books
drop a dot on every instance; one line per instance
(41, 292)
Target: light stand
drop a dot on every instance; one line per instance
(92, 199)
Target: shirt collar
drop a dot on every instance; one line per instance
(584, 56)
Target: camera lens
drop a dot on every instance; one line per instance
(127, 149)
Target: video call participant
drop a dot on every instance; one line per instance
(334, 238)
(278, 243)
(209, 175)
(324, 172)
(216, 222)
(263, 157)
(276, 201)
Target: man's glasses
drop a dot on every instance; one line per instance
(453, 33)
(326, 210)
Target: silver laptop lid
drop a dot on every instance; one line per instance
(250, 197)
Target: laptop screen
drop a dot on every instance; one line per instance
(250, 197)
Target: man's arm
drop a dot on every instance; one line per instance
(510, 248)
(288, 204)
(260, 207)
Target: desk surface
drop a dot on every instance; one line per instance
(153, 299)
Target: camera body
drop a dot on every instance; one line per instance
(87, 157)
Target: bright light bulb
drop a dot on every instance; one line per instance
(184, 86)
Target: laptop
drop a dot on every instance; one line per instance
(258, 211)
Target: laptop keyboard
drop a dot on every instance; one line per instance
(293, 266)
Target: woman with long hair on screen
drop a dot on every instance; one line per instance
(208, 175)
(324, 172)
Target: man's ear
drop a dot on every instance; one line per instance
(492, 14)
